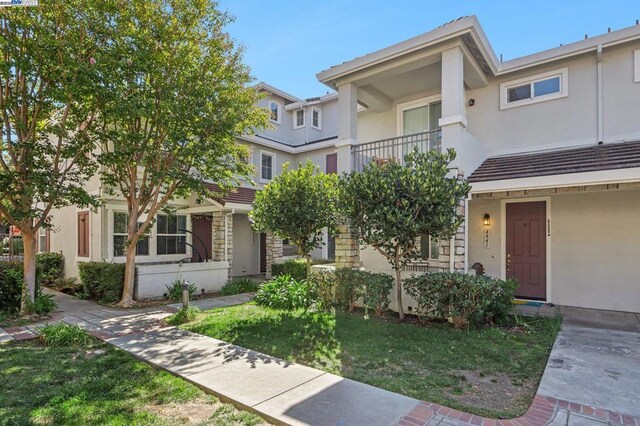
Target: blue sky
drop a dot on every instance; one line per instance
(288, 42)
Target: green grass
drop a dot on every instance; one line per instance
(100, 385)
(431, 363)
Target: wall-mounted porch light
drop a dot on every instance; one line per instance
(486, 220)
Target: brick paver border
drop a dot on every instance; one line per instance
(541, 412)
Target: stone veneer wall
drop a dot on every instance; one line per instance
(347, 249)
(274, 251)
(218, 238)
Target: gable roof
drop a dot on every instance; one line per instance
(576, 160)
(274, 90)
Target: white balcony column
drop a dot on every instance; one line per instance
(454, 117)
(347, 125)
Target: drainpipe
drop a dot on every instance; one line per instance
(600, 97)
(466, 233)
(226, 235)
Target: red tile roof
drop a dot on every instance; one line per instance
(575, 160)
(239, 195)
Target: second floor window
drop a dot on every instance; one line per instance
(120, 223)
(171, 234)
(266, 167)
(316, 118)
(537, 88)
(274, 112)
(299, 119)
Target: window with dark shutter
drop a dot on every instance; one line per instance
(83, 234)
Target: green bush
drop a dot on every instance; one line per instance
(377, 290)
(322, 284)
(51, 267)
(464, 299)
(284, 292)
(295, 268)
(349, 286)
(43, 303)
(10, 286)
(239, 285)
(102, 281)
(183, 316)
(174, 291)
(62, 334)
(69, 285)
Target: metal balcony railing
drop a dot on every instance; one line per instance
(395, 149)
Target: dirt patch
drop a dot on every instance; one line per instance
(495, 391)
(186, 413)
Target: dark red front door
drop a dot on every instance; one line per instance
(526, 255)
(202, 238)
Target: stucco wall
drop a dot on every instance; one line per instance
(246, 247)
(593, 247)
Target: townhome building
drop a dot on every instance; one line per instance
(550, 143)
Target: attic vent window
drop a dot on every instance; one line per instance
(538, 88)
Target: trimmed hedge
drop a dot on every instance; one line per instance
(10, 286)
(102, 281)
(51, 267)
(463, 299)
(295, 268)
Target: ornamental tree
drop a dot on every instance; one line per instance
(173, 96)
(388, 206)
(297, 205)
(46, 81)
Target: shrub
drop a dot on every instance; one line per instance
(284, 292)
(43, 303)
(102, 281)
(62, 334)
(183, 316)
(323, 285)
(239, 285)
(376, 293)
(69, 285)
(51, 267)
(462, 298)
(174, 291)
(295, 268)
(10, 286)
(349, 286)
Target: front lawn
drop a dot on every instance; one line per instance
(491, 372)
(100, 385)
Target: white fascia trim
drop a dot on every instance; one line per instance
(274, 90)
(601, 177)
(287, 148)
(301, 104)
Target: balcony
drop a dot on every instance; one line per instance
(395, 149)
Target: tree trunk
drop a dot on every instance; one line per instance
(399, 293)
(130, 265)
(308, 257)
(29, 276)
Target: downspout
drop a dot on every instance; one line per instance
(466, 233)
(226, 235)
(600, 98)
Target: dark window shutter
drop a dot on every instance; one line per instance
(83, 234)
(332, 163)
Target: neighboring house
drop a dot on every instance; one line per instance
(550, 143)
(207, 240)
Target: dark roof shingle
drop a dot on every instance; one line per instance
(239, 195)
(576, 160)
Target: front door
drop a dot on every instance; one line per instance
(526, 257)
(263, 253)
(202, 238)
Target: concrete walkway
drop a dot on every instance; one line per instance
(591, 377)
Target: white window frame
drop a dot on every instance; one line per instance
(411, 105)
(114, 234)
(636, 66)
(563, 73)
(178, 234)
(273, 165)
(295, 119)
(431, 242)
(319, 111)
(42, 234)
(279, 120)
